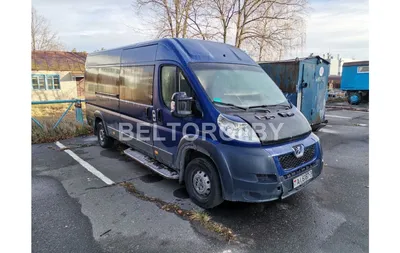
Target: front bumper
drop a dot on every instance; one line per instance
(257, 175)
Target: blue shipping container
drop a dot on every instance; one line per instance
(305, 84)
(355, 81)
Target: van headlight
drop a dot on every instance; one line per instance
(240, 131)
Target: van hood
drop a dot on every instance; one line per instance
(276, 125)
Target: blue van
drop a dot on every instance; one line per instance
(203, 113)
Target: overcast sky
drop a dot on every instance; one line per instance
(335, 26)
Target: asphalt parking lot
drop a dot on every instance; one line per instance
(75, 211)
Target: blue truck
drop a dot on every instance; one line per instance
(203, 113)
(355, 81)
(304, 81)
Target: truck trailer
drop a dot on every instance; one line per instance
(355, 81)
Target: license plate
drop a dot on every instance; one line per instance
(302, 179)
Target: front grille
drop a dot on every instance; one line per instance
(289, 161)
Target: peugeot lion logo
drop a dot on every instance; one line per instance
(298, 150)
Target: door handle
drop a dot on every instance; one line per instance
(153, 113)
(159, 115)
(148, 113)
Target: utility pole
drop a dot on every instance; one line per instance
(340, 64)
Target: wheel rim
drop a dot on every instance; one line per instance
(102, 135)
(354, 99)
(201, 183)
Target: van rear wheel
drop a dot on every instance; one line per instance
(203, 183)
(104, 140)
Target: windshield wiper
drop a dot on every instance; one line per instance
(269, 106)
(231, 105)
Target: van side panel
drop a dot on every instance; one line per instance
(90, 89)
(107, 94)
(136, 96)
(102, 85)
(109, 57)
(139, 54)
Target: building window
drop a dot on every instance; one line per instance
(38, 82)
(53, 82)
(45, 82)
(363, 69)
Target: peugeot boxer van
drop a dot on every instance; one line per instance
(203, 113)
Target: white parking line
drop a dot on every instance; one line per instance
(337, 116)
(85, 164)
(329, 131)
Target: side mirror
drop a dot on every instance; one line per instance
(181, 104)
(304, 85)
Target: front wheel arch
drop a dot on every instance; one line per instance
(187, 148)
(201, 195)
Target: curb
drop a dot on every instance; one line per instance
(348, 108)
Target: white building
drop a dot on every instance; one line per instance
(336, 68)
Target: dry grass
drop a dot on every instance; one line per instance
(53, 110)
(66, 129)
(205, 220)
(202, 217)
(48, 115)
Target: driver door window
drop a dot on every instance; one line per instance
(173, 80)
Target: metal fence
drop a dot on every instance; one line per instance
(78, 110)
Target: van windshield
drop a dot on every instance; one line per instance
(239, 85)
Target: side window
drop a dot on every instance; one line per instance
(38, 82)
(53, 82)
(168, 83)
(137, 84)
(363, 69)
(107, 80)
(173, 80)
(91, 79)
(183, 85)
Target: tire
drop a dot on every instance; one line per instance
(104, 140)
(354, 98)
(202, 183)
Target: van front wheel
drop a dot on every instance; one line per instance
(202, 183)
(104, 140)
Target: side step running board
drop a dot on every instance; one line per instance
(155, 166)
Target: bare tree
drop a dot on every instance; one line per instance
(168, 17)
(41, 35)
(280, 27)
(222, 13)
(263, 27)
(272, 16)
(200, 25)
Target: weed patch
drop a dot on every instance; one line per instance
(201, 218)
(66, 129)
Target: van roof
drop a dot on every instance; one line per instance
(188, 50)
